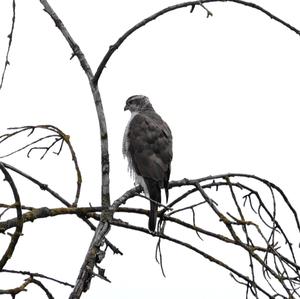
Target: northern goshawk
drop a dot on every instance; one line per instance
(147, 144)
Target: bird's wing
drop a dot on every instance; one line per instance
(150, 146)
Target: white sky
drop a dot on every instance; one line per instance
(228, 86)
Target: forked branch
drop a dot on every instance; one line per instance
(280, 268)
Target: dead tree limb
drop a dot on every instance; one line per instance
(105, 199)
(39, 275)
(283, 268)
(10, 38)
(57, 136)
(166, 10)
(285, 271)
(19, 224)
(101, 229)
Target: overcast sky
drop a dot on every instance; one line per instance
(227, 85)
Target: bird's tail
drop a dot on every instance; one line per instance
(166, 183)
(155, 196)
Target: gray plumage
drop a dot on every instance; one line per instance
(147, 145)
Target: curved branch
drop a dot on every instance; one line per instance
(119, 42)
(105, 195)
(192, 182)
(59, 136)
(22, 288)
(42, 287)
(258, 254)
(19, 225)
(119, 223)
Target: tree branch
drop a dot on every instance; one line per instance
(119, 223)
(59, 136)
(10, 37)
(97, 100)
(15, 291)
(37, 275)
(19, 225)
(96, 253)
(166, 10)
(41, 185)
(257, 253)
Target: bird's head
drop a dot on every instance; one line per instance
(138, 103)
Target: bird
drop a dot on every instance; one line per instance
(147, 145)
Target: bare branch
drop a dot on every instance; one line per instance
(151, 200)
(208, 12)
(37, 275)
(73, 45)
(42, 186)
(189, 246)
(151, 18)
(22, 288)
(283, 269)
(10, 37)
(59, 136)
(105, 195)
(15, 291)
(94, 256)
(42, 287)
(19, 225)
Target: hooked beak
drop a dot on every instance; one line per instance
(126, 107)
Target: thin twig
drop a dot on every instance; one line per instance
(41, 185)
(37, 275)
(191, 247)
(59, 136)
(151, 200)
(208, 12)
(10, 38)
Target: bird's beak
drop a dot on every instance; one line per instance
(126, 107)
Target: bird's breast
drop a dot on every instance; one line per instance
(125, 137)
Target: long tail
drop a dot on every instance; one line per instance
(154, 193)
(166, 184)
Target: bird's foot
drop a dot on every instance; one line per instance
(152, 233)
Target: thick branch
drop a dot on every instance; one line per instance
(101, 230)
(93, 256)
(74, 46)
(97, 100)
(19, 225)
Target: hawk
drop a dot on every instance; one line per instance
(147, 145)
